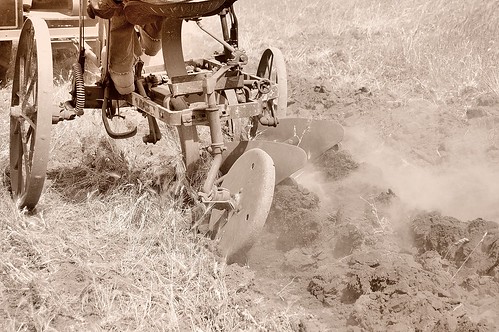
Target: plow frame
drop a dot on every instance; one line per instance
(215, 92)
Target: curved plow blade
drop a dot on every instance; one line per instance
(313, 136)
(251, 182)
(287, 158)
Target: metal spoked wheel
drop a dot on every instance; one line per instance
(31, 113)
(273, 67)
(251, 182)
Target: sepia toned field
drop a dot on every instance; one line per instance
(396, 231)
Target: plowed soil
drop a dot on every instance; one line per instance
(396, 231)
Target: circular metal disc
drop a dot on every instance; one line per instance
(251, 181)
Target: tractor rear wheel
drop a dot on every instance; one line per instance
(31, 113)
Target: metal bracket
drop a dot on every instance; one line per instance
(67, 112)
(219, 198)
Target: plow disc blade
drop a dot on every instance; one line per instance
(287, 158)
(313, 136)
(251, 183)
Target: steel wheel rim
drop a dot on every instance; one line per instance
(273, 67)
(31, 114)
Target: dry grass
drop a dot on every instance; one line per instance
(109, 247)
(105, 251)
(437, 50)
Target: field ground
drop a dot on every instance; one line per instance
(397, 231)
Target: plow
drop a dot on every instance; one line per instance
(254, 142)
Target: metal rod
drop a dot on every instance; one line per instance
(234, 30)
(217, 140)
(81, 22)
(221, 41)
(225, 29)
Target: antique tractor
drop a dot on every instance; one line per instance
(238, 188)
(61, 16)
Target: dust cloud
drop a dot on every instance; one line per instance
(463, 184)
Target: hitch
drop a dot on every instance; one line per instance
(66, 112)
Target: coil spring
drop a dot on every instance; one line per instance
(79, 89)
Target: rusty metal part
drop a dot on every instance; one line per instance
(268, 120)
(313, 136)
(219, 199)
(107, 113)
(154, 133)
(189, 139)
(193, 83)
(176, 70)
(251, 183)
(31, 113)
(273, 68)
(182, 114)
(217, 139)
(263, 86)
(66, 112)
(236, 57)
(175, 66)
(212, 35)
(288, 159)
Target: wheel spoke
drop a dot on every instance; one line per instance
(30, 122)
(271, 64)
(29, 56)
(16, 167)
(31, 134)
(17, 148)
(26, 69)
(22, 76)
(24, 146)
(29, 91)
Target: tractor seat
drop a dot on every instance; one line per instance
(140, 12)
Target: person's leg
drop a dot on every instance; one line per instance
(124, 48)
(150, 37)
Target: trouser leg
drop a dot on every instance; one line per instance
(150, 37)
(124, 49)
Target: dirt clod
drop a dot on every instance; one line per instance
(293, 216)
(336, 164)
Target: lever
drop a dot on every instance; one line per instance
(105, 120)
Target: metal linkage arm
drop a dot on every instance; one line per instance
(217, 140)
